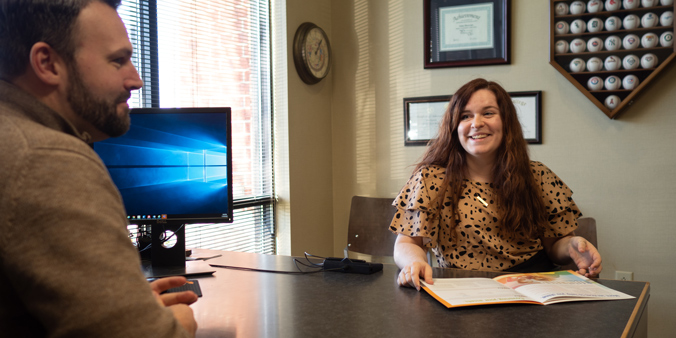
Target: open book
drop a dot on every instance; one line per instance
(536, 288)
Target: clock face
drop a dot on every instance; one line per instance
(317, 53)
(311, 53)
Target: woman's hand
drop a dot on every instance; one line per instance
(410, 256)
(410, 275)
(562, 250)
(586, 257)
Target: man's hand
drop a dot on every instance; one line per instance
(177, 302)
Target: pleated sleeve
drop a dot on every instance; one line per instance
(417, 210)
(561, 209)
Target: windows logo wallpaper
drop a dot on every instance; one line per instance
(174, 164)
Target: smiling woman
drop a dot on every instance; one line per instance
(478, 201)
(480, 131)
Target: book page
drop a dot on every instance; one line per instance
(559, 286)
(471, 291)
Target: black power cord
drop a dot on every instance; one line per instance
(329, 264)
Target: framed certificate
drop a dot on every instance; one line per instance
(466, 32)
(422, 116)
(528, 106)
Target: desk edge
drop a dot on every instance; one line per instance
(641, 303)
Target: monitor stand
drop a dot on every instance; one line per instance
(167, 245)
(167, 257)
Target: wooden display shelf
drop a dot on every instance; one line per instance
(579, 79)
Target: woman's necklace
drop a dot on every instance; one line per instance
(478, 197)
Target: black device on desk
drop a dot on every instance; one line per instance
(173, 167)
(351, 265)
(190, 285)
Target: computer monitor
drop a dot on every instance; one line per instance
(173, 167)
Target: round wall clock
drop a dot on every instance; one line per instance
(311, 53)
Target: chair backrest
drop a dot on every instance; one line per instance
(586, 227)
(367, 231)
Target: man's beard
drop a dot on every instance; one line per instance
(100, 113)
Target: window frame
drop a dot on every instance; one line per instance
(148, 66)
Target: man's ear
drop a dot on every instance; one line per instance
(47, 64)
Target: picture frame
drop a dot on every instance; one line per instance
(529, 109)
(466, 33)
(422, 116)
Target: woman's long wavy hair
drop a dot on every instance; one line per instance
(518, 199)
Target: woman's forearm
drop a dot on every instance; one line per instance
(408, 250)
(557, 249)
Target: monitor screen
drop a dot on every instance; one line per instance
(173, 165)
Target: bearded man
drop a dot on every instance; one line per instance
(67, 266)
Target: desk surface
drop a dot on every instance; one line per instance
(240, 303)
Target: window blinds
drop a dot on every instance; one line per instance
(193, 53)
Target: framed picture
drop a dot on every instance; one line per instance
(422, 116)
(528, 108)
(466, 32)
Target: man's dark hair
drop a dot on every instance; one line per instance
(24, 23)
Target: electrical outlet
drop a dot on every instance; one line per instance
(624, 275)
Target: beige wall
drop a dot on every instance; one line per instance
(345, 136)
(304, 158)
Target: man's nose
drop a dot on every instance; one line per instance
(134, 82)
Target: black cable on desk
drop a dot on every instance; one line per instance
(318, 266)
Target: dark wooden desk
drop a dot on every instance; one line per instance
(334, 304)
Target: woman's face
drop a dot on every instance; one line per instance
(480, 128)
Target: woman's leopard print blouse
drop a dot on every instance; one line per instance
(474, 241)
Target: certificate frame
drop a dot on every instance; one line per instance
(422, 116)
(466, 33)
(529, 109)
